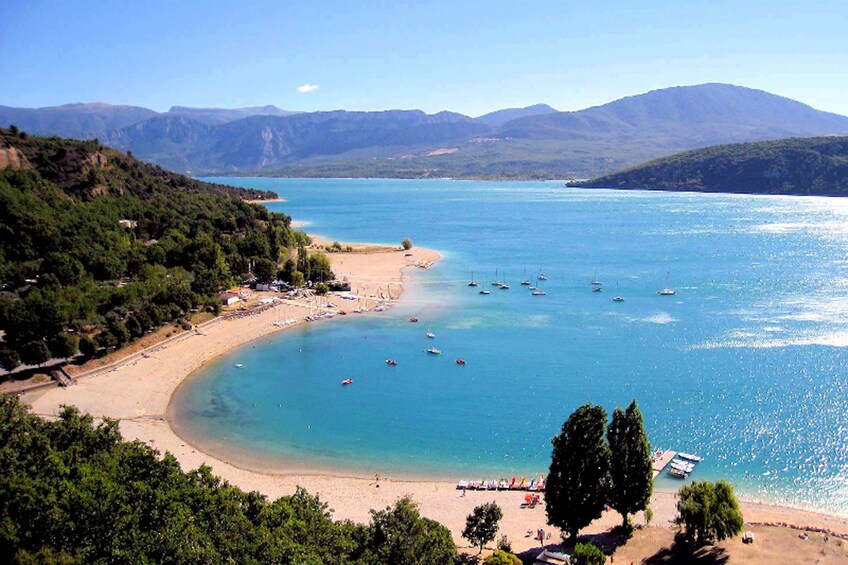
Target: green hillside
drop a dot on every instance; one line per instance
(803, 166)
(97, 248)
(75, 493)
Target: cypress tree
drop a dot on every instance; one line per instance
(631, 475)
(576, 489)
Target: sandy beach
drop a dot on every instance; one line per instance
(138, 392)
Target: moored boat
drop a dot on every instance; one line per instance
(690, 457)
(485, 292)
(347, 381)
(434, 351)
(460, 361)
(391, 362)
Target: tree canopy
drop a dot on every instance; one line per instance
(72, 492)
(631, 475)
(709, 511)
(481, 525)
(576, 488)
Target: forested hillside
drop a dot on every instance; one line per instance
(74, 493)
(803, 166)
(97, 248)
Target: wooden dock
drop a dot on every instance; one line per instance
(660, 463)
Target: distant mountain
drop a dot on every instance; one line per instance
(80, 121)
(533, 142)
(263, 142)
(222, 115)
(808, 166)
(500, 117)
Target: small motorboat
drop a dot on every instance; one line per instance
(677, 473)
(430, 334)
(618, 299)
(460, 361)
(391, 362)
(690, 457)
(347, 382)
(597, 289)
(666, 292)
(434, 351)
(538, 293)
(413, 320)
(542, 277)
(485, 292)
(239, 366)
(525, 282)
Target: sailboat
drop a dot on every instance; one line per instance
(526, 281)
(473, 282)
(497, 281)
(504, 286)
(667, 291)
(618, 297)
(595, 281)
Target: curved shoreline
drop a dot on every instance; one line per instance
(138, 393)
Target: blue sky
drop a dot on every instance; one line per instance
(467, 56)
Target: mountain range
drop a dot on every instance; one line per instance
(532, 142)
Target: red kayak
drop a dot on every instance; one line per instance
(391, 362)
(460, 361)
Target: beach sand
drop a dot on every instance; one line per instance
(137, 393)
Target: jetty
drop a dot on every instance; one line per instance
(661, 459)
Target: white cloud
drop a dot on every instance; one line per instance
(307, 88)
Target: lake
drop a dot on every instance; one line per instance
(745, 364)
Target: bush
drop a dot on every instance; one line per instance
(588, 554)
(504, 544)
(406, 244)
(321, 288)
(500, 557)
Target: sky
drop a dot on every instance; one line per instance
(472, 56)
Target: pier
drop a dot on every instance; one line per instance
(659, 463)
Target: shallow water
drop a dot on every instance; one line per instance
(745, 365)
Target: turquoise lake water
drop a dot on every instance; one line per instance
(745, 365)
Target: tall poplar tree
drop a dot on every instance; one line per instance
(576, 489)
(631, 475)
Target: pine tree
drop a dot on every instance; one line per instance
(631, 475)
(576, 489)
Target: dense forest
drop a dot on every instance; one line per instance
(72, 492)
(97, 248)
(802, 166)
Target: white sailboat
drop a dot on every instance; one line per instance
(667, 291)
